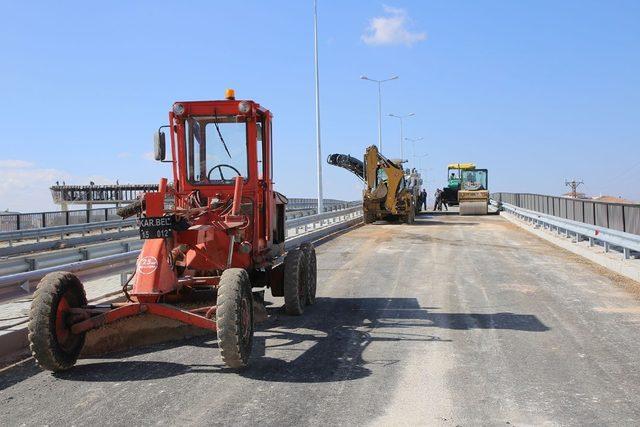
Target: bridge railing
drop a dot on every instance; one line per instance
(33, 220)
(615, 216)
(112, 258)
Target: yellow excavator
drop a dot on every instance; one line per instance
(387, 195)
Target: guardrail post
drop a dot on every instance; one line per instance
(606, 246)
(591, 242)
(626, 253)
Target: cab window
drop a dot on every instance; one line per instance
(216, 148)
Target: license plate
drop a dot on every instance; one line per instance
(156, 227)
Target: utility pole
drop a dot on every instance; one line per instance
(574, 187)
(319, 149)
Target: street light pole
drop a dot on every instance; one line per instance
(413, 145)
(380, 115)
(401, 131)
(319, 148)
(379, 82)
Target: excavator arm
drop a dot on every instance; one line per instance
(347, 162)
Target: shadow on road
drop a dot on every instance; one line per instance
(339, 330)
(429, 221)
(326, 344)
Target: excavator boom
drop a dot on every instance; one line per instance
(347, 162)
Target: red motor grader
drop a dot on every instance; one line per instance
(210, 237)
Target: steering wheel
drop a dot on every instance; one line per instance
(220, 166)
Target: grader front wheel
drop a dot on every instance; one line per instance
(234, 317)
(53, 345)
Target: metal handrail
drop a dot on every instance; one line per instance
(37, 233)
(623, 217)
(626, 241)
(62, 230)
(342, 216)
(299, 222)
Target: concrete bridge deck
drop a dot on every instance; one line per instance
(450, 321)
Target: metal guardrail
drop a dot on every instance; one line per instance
(115, 257)
(63, 230)
(34, 220)
(25, 221)
(295, 210)
(609, 238)
(31, 262)
(312, 222)
(615, 216)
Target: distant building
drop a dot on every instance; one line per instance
(612, 199)
(576, 195)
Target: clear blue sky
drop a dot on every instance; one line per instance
(535, 91)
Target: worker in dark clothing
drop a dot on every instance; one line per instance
(443, 202)
(423, 199)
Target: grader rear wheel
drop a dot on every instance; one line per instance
(295, 281)
(53, 345)
(312, 273)
(234, 318)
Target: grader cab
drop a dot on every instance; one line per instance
(210, 237)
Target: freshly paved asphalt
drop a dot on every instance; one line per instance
(451, 321)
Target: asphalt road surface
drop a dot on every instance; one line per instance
(451, 321)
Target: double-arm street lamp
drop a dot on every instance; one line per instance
(401, 118)
(413, 145)
(379, 82)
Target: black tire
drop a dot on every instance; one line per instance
(295, 281)
(312, 272)
(409, 217)
(234, 317)
(369, 217)
(52, 344)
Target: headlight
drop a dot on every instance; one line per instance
(178, 109)
(244, 107)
